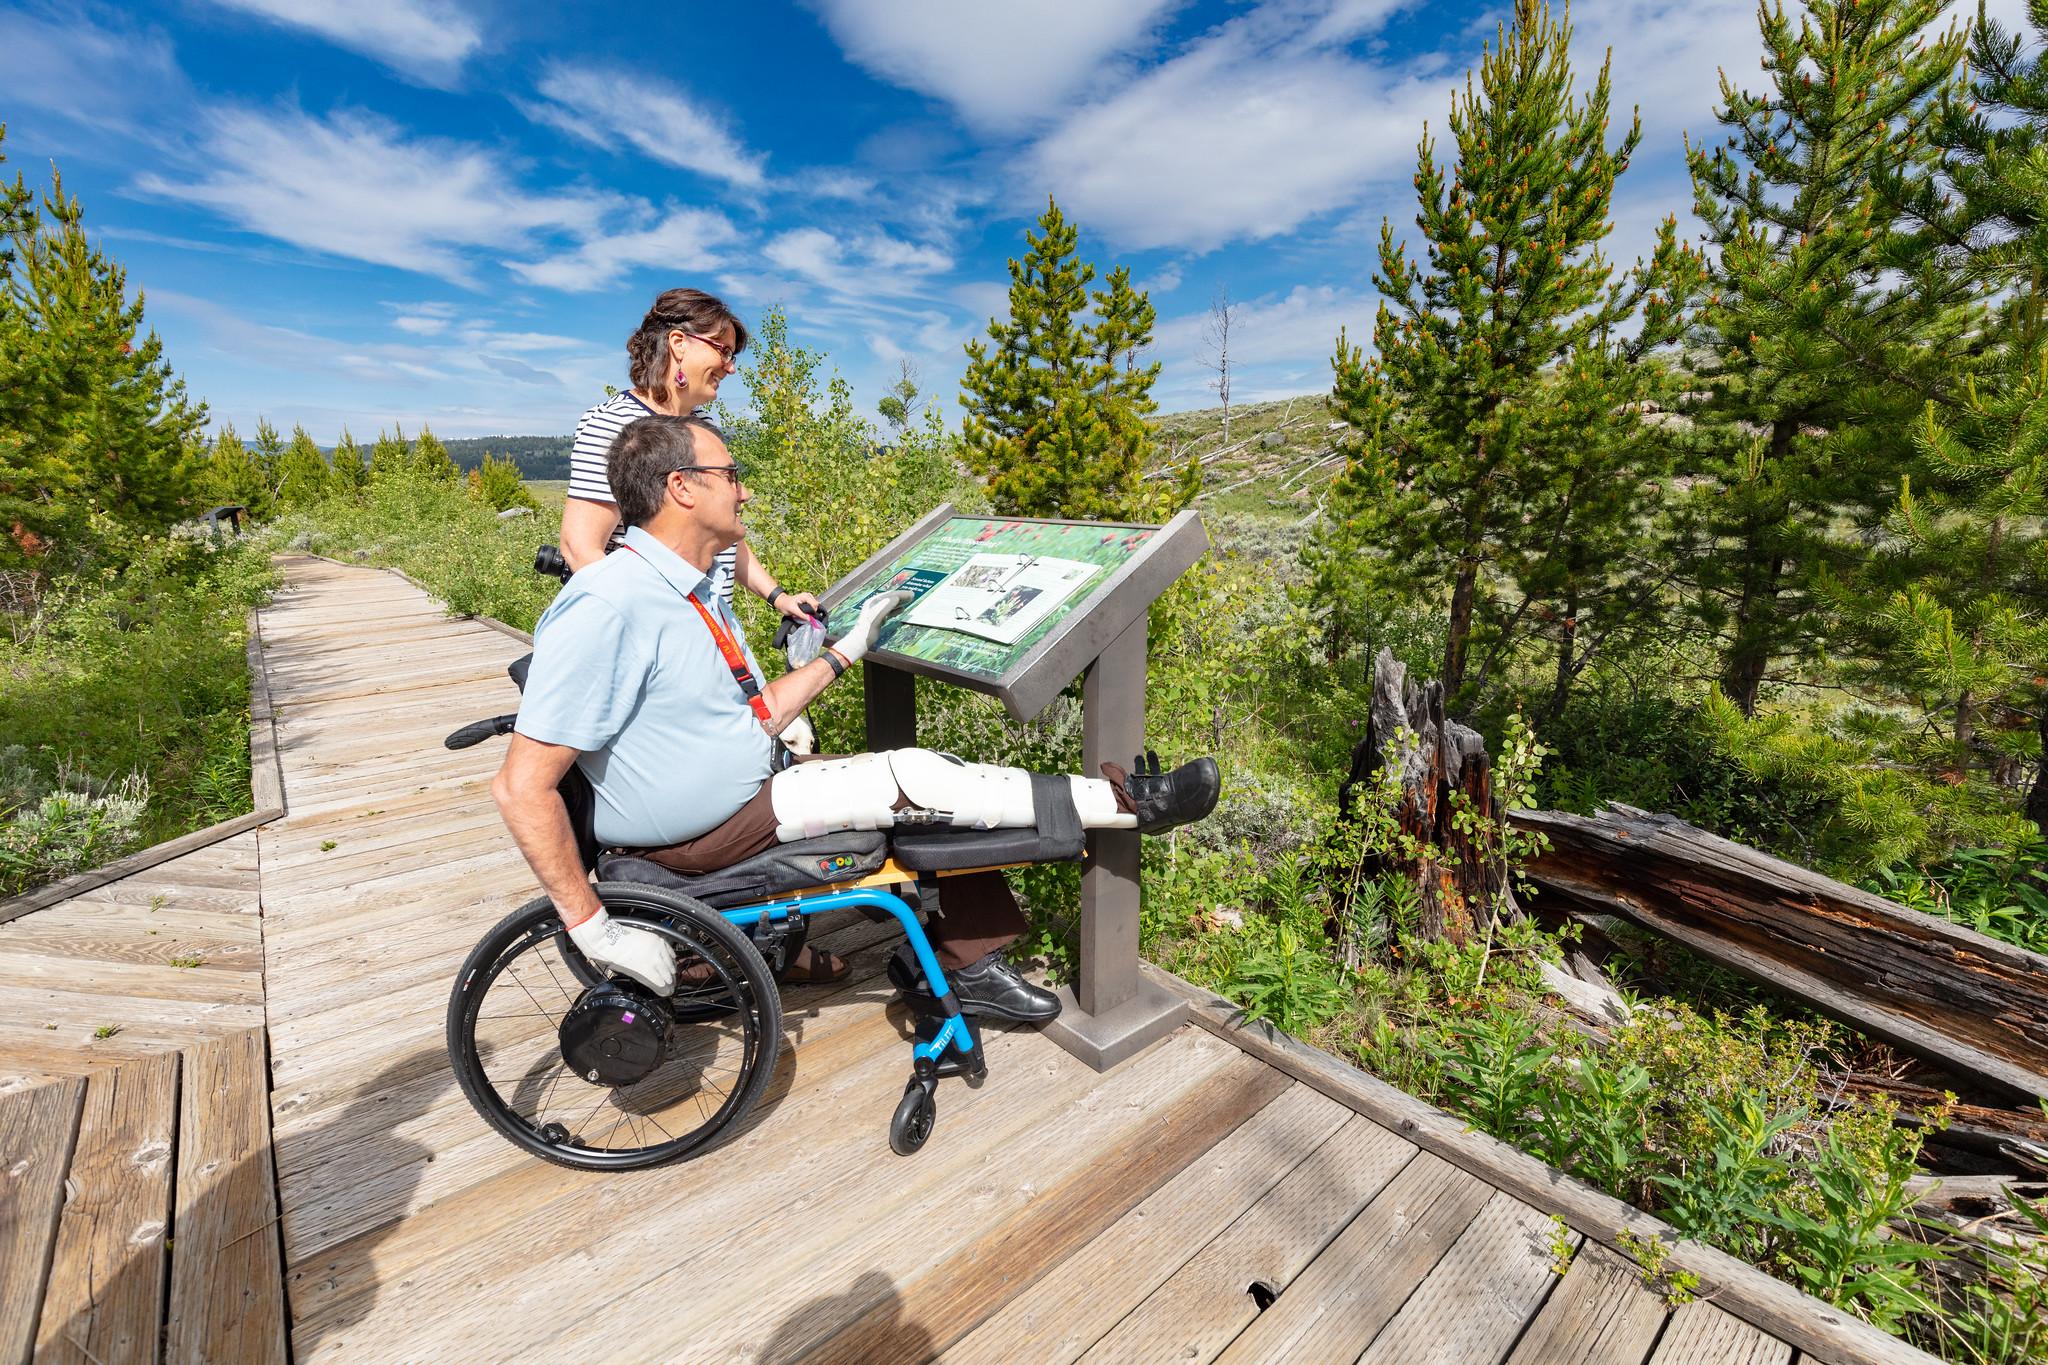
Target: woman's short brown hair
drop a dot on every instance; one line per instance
(675, 310)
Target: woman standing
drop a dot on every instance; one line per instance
(683, 350)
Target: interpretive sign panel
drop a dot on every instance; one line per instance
(1001, 602)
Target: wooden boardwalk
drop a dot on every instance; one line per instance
(1221, 1196)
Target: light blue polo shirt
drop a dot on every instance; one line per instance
(625, 670)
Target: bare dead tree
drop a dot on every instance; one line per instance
(1216, 349)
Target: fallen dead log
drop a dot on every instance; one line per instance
(1974, 1006)
(2000, 1138)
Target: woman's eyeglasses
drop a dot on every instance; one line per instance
(725, 352)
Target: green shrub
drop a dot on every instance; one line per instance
(129, 667)
(498, 485)
(70, 826)
(1999, 892)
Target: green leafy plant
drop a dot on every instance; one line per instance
(1283, 982)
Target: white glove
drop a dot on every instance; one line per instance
(800, 737)
(860, 636)
(639, 953)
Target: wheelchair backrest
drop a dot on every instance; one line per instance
(577, 793)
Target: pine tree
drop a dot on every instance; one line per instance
(1492, 433)
(498, 484)
(1950, 608)
(431, 458)
(302, 475)
(389, 455)
(1055, 401)
(349, 473)
(269, 450)
(234, 474)
(1813, 360)
(90, 413)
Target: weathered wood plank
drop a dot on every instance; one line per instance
(496, 1216)
(1338, 1304)
(1740, 1288)
(1600, 1314)
(844, 1253)
(1975, 1005)
(227, 1273)
(140, 861)
(1086, 1294)
(1205, 1304)
(745, 1193)
(37, 1129)
(1701, 1334)
(1477, 1300)
(944, 1305)
(105, 1301)
(233, 981)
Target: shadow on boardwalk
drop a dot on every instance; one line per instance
(387, 1167)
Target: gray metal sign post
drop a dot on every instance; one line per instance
(1110, 1012)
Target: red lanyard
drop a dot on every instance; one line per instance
(734, 658)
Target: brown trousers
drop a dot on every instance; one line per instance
(977, 914)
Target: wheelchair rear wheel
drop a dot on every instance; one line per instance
(648, 1080)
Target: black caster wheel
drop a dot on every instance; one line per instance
(916, 1112)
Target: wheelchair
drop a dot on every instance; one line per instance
(599, 1073)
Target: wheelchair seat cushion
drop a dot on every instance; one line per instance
(942, 849)
(797, 866)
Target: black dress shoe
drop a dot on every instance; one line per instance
(989, 987)
(1167, 800)
(992, 986)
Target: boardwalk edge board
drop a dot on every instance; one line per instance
(1737, 1287)
(266, 796)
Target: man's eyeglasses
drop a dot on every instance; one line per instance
(725, 352)
(732, 472)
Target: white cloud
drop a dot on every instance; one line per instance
(327, 381)
(1294, 331)
(94, 75)
(686, 239)
(1349, 19)
(1233, 141)
(864, 265)
(1000, 66)
(1164, 280)
(604, 107)
(824, 183)
(425, 39)
(422, 319)
(982, 300)
(354, 185)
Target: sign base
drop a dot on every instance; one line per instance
(1108, 1039)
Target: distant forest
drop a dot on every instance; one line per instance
(538, 457)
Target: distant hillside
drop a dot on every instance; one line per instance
(538, 457)
(1275, 467)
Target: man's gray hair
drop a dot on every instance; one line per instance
(642, 457)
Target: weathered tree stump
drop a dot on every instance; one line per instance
(1436, 761)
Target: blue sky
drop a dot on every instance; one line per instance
(453, 211)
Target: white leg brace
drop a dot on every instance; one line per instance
(831, 795)
(835, 794)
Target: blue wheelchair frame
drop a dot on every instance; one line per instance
(953, 1030)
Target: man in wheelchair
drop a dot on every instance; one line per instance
(642, 679)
